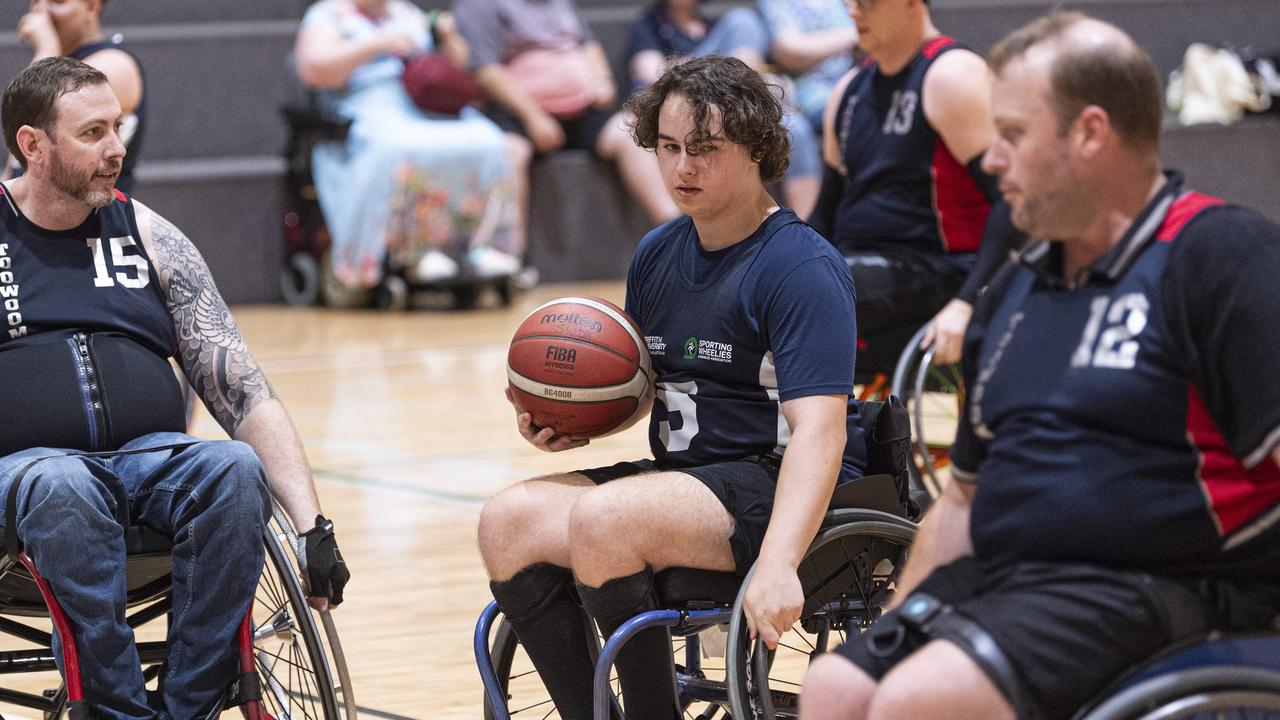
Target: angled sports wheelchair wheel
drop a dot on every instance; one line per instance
(848, 575)
(1219, 692)
(526, 696)
(302, 670)
(934, 396)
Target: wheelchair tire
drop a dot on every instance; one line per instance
(392, 294)
(294, 664)
(763, 684)
(1206, 693)
(934, 397)
(300, 280)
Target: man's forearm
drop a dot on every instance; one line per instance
(805, 483)
(943, 537)
(500, 87)
(799, 52)
(271, 434)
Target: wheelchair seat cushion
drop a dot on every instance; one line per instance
(687, 588)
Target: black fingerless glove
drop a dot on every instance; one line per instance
(326, 570)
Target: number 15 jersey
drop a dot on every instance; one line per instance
(734, 332)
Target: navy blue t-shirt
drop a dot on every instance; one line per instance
(1130, 421)
(905, 192)
(734, 332)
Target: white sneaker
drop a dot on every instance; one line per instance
(486, 262)
(435, 265)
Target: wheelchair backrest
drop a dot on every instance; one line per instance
(887, 427)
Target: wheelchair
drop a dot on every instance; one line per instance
(848, 575)
(892, 363)
(1234, 677)
(289, 668)
(307, 276)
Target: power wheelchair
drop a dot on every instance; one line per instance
(848, 575)
(307, 278)
(289, 668)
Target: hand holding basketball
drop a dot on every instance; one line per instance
(578, 366)
(543, 438)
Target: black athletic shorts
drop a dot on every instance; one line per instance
(580, 132)
(901, 290)
(1065, 630)
(745, 487)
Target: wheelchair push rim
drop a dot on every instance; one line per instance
(765, 684)
(294, 665)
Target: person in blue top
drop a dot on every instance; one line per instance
(749, 319)
(1116, 474)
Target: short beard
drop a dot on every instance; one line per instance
(78, 186)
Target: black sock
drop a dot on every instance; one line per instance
(539, 604)
(645, 667)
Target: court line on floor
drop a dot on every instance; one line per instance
(367, 482)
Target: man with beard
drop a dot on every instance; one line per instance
(1116, 473)
(74, 28)
(98, 293)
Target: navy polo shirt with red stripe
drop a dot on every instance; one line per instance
(1130, 419)
(904, 190)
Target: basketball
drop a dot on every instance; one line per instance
(579, 365)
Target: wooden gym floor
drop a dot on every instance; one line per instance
(408, 432)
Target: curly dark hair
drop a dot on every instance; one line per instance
(750, 114)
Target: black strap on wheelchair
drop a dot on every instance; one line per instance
(12, 544)
(924, 614)
(246, 687)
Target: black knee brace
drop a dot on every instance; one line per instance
(923, 617)
(645, 668)
(539, 604)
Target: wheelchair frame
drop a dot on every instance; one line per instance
(282, 615)
(743, 693)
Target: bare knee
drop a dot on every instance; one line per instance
(597, 520)
(835, 688)
(503, 531)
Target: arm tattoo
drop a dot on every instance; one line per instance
(210, 349)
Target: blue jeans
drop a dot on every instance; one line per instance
(210, 499)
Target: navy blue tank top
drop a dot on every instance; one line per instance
(134, 146)
(904, 188)
(86, 334)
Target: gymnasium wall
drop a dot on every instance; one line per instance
(217, 73)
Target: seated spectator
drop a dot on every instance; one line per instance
(549, 81)
(674, 29)
(424, 190)
(73, 28)
(813, 42)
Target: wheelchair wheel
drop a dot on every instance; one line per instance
(1206, 693)
(297, 664)
(526, 697)
(300, 279)
(848, 575)
(934, 397)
